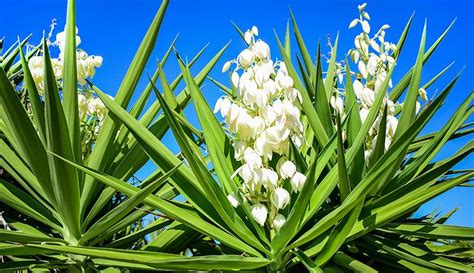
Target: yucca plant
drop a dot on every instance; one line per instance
(45, 199)
(352, 158)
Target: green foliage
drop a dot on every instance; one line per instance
(65, 209)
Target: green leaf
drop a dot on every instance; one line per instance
(32, 150)
(344, 260)
(182, 214)
(113, 216)
(398, 89)
(344, 186)
(307, 262)
(302, 46)
(24, 203)
(69, 84)
(164, 260)
(313, 118)
(10, 56)
(322, 97)
(354, 123)
(380, 142)
(409, 106)
(431, 231)
(99, 157)
(58, 142)
(36, 104)
(329, 83)
(22, 237)
(338, 236)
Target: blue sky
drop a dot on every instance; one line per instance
(113, 29)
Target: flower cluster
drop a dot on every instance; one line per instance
(91, 109)
(90, 106)
(374, 58)
(262, 120)
(86, 64)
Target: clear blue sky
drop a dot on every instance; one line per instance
(113, 29)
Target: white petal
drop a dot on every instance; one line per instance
(248, 37)
(235, 79)
(255, 30)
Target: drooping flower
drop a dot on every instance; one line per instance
(279, 221)
(287, 169)
(297, 181)
(280, 198)
(259, 213)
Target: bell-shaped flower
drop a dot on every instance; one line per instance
(297, 181)
(372, 65)
(283, 81)
(353, 23)
(286, 169)
(358, 88)
(280, 198)
(278, 221)
(261, 50)
(362, 69)
(259, 213)
(337, 104)
(246, 58)
(268, 114)
(253, 160)
(239, 149)
(261, 98)
(363, 112)
(235, 79)
(392, 123)
(368, 96)
(245, 172)
(263, 147)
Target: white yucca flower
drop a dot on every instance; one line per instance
(278, 221)
(259, 213)
(261, 124)
(280, 198)
(373, 56)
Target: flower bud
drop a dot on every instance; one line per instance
(422, 93)
(365, 26)
(353, 23)
(226, 66)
